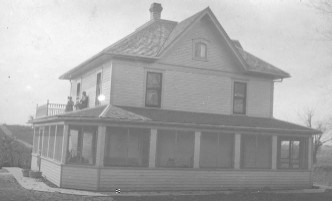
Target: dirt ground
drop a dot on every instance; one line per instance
(10, 190)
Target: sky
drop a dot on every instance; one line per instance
(42, 39)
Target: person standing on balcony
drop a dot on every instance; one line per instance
(70, 104)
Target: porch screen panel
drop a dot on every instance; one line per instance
(51, 144)
(73, 154)
(256, 151)
(58, 143)
(208, 150)
(127, 147)
(88, 149)
(35, 141)
(45, 141)
(165, 148)
(41, 139)
(175, 148)
(225, 151)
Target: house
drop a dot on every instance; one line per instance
(172, 106)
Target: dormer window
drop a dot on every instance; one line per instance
(200, 50)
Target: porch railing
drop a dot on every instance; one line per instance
(50, 109)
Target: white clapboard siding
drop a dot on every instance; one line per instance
(219, 55)
(127, 180)
(75, 177)
(34, 164)
(51, 171)
(190, 91)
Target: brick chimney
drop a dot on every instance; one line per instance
(155, 11)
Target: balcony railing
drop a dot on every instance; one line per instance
(50, 109)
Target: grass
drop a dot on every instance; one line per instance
(323, 175)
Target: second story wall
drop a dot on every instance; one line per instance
(190, 90)
(88, 82)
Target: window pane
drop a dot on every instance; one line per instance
(153, 80)
(58, 143)
(35, 141)
(45, 141)
(295, 145)
(51, 144)
(239, 106)
(152, 97)
(73, 152)
(87, 148)
(138, 147)
(239, 89)
(203, 50)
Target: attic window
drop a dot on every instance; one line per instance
(199, 50)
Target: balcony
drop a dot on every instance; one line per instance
(50, 109)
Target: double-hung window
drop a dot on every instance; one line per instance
(153, 89)
(200, 51)
(239, 98)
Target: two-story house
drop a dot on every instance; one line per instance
(173, 106)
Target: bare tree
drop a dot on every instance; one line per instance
(325, 8)
(323, 126)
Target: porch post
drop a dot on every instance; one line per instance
(237, 151)
(33, 141)
(101, 138)
(64, 144)
(310, 153)
(197, 148)
(274, 152)
(153, 147)
(48, 141)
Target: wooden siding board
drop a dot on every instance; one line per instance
(195, 180)
(84, 178)
(51, 171)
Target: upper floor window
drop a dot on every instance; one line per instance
(239, 98)
(200, 50)
(153, 89)
(98, 89)
(292, 153)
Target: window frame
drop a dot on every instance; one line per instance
(244, 99)
(159, 89)
(303, 153)
(196, 47)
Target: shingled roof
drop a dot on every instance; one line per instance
(111, 113)
(154, 37)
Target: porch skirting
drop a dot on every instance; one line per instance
(152, 179)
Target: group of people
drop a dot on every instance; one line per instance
(80, 104)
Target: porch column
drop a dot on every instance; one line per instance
(153, 147)
(237, 151)
(310, 153)
(48, 141)
(197, 148)
(64, 144)
(101, 139)
(274, 152)
(33, 141)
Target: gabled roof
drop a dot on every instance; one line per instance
(125, 114)
(154, 38)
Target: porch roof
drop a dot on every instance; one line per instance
(125, 114)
